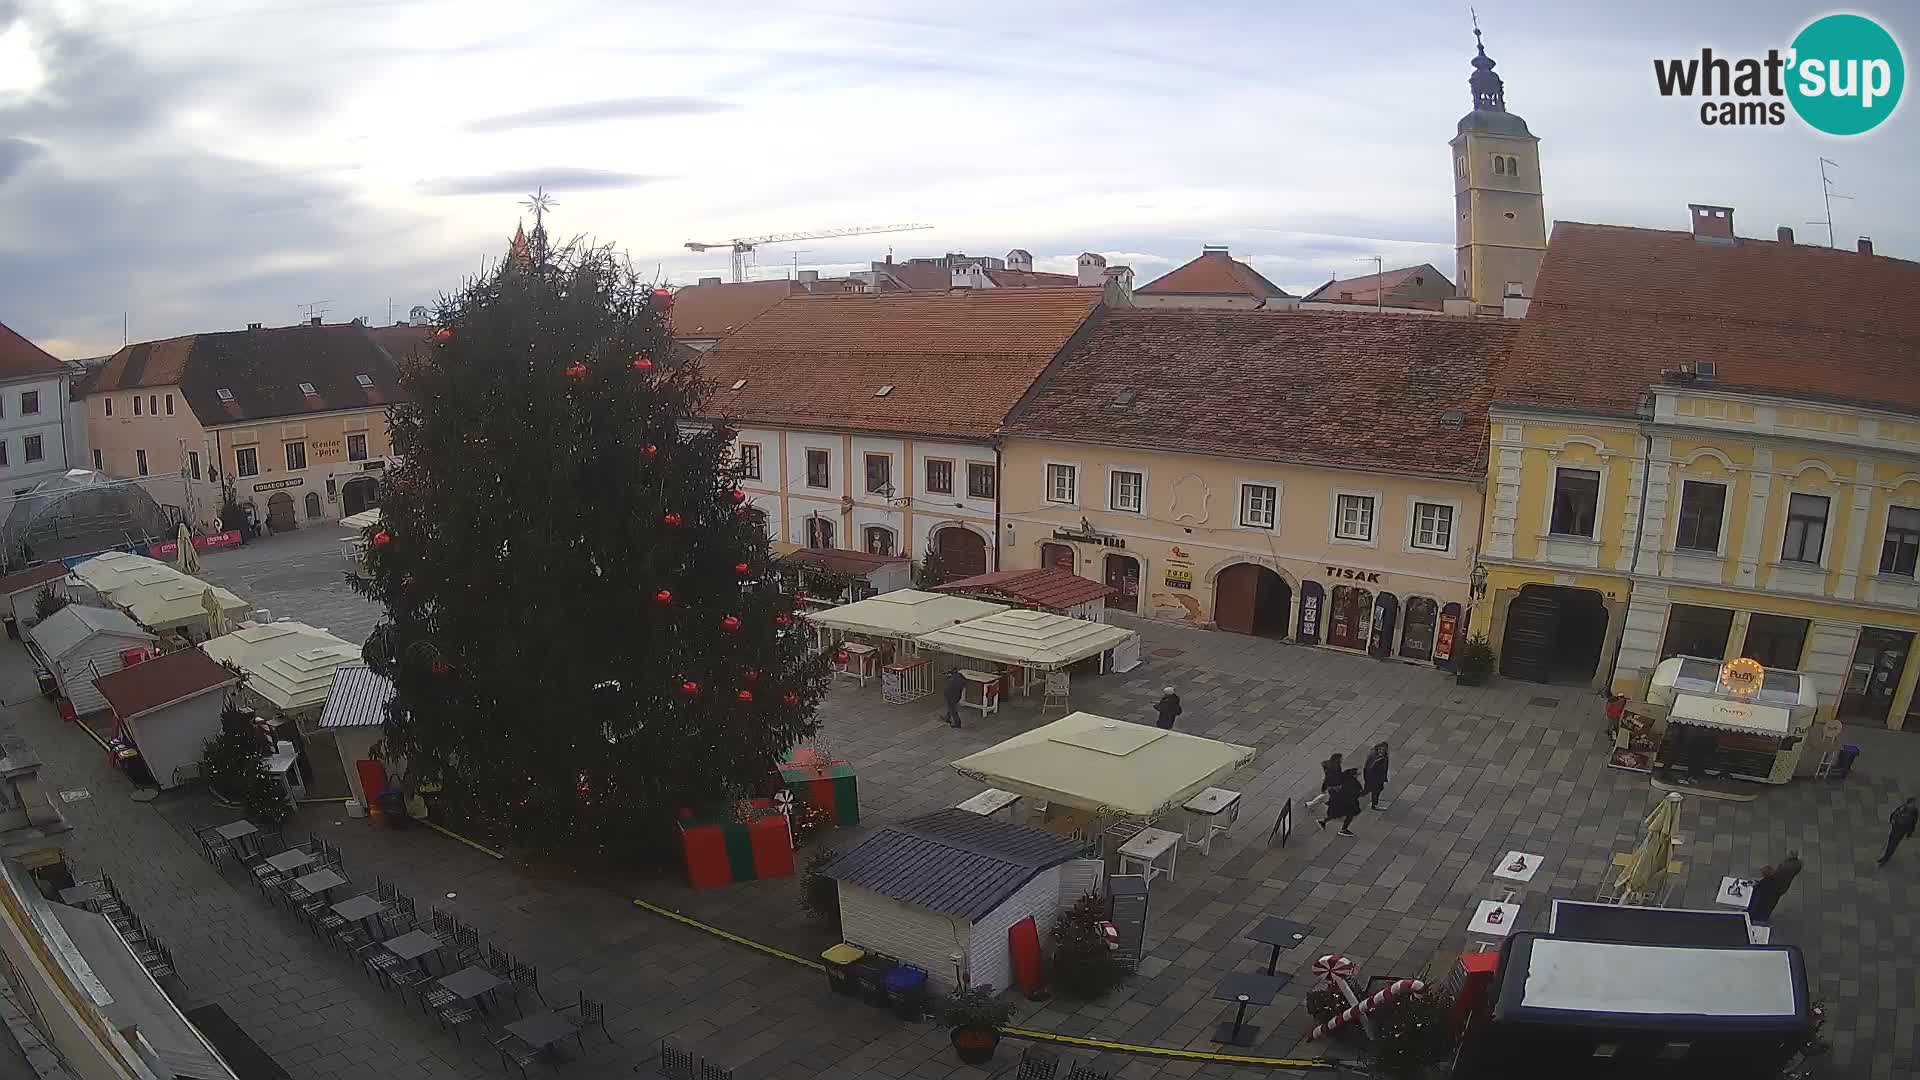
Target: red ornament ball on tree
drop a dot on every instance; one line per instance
(576, 370)
(737, 496)
(790, 699)
(690, 688)
(443, 335)
(382, 538)
(642, 365)
(744, 697)
(441, 667)
(742, 569)
(749, 676)
(731, 624)
(649, 452)
(661, 299)
(782, 619)
(842, 656)
(664, 598)
(670, 519)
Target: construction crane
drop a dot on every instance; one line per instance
(744, 245)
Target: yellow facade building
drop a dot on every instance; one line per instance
(1709, 445)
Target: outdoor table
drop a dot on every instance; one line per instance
(860, 662)
(1734, 892)
(542, 1029)
(358, 909)
(471, 983)
(320, 882)
(290, 859)
(81, 896)
(414, 945)
(988, 683)
(1279, 933)
(240, 833)
(1494, 918)
(989, 802)
(1148, 848)
(1215, 810)
(1517, 866)
(1244, 988)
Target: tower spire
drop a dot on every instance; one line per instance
(1489, 92)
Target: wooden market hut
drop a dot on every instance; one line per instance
(1045, 588)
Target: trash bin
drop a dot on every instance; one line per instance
(839, 961)
(1843, 761)
(49, 686)
(393, 809)
(907, 992)
(869, 978)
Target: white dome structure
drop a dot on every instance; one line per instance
(78, 512)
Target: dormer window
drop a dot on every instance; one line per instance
(884, 391)
(738, 383)
(365, 381)
(307, 389)
(225, 395)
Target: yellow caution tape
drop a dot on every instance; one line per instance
(1172, 1053)
(451, 835)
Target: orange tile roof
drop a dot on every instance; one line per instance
(1399, 393)
(1362, 289)
(1214, 273)
(1032, 279)
(263, 370)
(1048, 587)
(957, 361)
(714, 311)
(401, 340)
(142, 364)
(18, 356)
(1614, 306)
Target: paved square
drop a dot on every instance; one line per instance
(1477, 774)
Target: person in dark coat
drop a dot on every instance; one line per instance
(1900, 826)
(1787, 869)
(1375, 773)
(1343, 801)
(1168, 707)
(1330, 771)
(1763, 895)
(956, 689)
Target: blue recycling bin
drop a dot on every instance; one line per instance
(907, 992)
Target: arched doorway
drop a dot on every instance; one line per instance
(1252, 599)
(962, 550)
(1123, 577)
(1416, 641)
(1349, 617)
(280, 512)
(360, 493)
(313, 506)
(1554, 634)
(1386, 615)
(1313, 600)
(879, 540)
(1059, 557)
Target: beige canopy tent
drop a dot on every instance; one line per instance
(113, 570)
(362, 519)
(289, 665)
(175, 603)
(1031, 639)
(1106, 767)
(904, 614)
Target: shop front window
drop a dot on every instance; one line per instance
(1697, 631)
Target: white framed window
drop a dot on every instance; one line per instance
(819, 474)
(169, 404)
(1062, 483)
(1432, 526)
(1576, 502)
(939, 476)
(879, 468)
(32, 445)
(749, 461)
(983, 479)
(296, 455)
(357, 446)
(1126, 491)
(1259, 506)
(30, 403)
(246, 461)
(1353, 517)
(193, 463)
(1806, 536)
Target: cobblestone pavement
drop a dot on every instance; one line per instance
(1477, 772)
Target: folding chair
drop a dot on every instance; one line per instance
(514, 1052)
(588, 1013)
(677, 1062)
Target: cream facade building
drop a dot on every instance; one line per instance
(1500, 222)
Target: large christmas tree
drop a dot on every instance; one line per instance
(584, 628)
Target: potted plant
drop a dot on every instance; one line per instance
(1474, 662)
(974, 1016)
(1083, 964)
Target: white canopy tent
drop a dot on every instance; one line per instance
(1030, 639)
(175, 603)
(289, 665)
(904, 614)
(113, 570)
(362, 519)
(1106, 767)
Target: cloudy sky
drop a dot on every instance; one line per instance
(201, 164)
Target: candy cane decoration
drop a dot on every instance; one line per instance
(1393, 991)
(1335, 965)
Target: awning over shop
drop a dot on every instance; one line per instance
(134, 1002)
(1731, 715)
(1033, 639)
(904, 613)
(288, 664)
(1105, 766)
(362, 519)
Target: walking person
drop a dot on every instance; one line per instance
(1375, 773)
(956, 689)
(1344, 801)
(1787, 869)
(1901, 823)
(1168, 707)
(1763, 895)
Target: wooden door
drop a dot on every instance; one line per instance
(962, 550)
(1235, 590)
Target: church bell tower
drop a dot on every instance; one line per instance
(1500, 227)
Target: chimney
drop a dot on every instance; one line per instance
(1119, 286)
(709, 281)
(253, 326)
(1866, 245)
(314, 321)
(1712, 222)
(1093, 269)
(809, 275)
(1786, 236)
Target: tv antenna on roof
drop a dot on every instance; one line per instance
(315, 309)
(1827, 195)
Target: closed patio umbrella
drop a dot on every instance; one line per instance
(216, 618)
(186, 559)
(1646, 870)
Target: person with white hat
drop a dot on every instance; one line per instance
(1168, 707)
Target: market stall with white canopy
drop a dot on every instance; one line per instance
(178, 603)
(877, 637)
(1104, 769)
(1031, 641)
